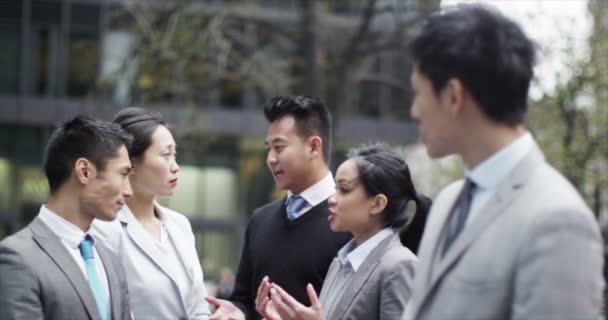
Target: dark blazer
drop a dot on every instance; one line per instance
(40, 280)
(381, 287)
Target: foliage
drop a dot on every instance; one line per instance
(571, 124)
(184, 49)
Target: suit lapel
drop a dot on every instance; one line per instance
(362, 275)
(431, 244)
(142, 240)
(331, 275)
(434, 266)
(179, 241)
(115, 293)
(53, 247)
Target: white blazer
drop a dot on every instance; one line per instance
(153, 291)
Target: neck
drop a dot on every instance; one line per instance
(65, 205)
(317, 175)
(363, 235)
(141, 206)
(487, 141)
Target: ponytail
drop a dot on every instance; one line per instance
(411, 234)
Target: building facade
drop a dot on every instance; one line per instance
(56, 57)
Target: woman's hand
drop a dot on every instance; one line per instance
(289, 309)
(263, 304)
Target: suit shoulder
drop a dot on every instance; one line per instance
(18, 241)
(550, 183)
(553, 199)
(17, 249)
(397, 256)
(176, 217)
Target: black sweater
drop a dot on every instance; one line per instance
(292, 253)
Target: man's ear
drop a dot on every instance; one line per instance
(380, 202)
(457, 95)
(316, 146)
(85, 170)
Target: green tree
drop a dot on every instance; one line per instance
(571, 124)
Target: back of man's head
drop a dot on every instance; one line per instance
(488, 52)
(311, 115)
(81, 137)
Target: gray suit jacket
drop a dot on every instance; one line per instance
(533, 252)
(380, 289)
(40, 280)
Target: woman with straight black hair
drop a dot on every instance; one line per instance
(155, 244)
(372, 275)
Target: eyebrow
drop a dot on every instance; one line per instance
(347, 182)
(274, 140)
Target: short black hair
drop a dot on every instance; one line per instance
(488, 52)
(311, 115)
(141, 124)
(81, 137)
(382, 171)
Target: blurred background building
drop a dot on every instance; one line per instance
(208, 66)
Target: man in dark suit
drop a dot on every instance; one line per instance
(52, 269)
(514, 240)
(289, 240)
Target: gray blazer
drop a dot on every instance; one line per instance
(380, 289)
(533, 252)
(40, 280)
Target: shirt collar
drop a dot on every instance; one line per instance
(355, 255)
(319, 191)
(492, 171)
(65, 230)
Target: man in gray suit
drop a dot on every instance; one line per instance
(514, 240)
(52, 269)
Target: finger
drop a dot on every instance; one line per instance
(312, 295)
(285, 311)
(289, 300)
(265, 309)
(214, 301)
(262, 291)
(260, 287)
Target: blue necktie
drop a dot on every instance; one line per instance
(86, 250)
(294, 205)
(459, 213)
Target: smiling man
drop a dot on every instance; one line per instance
(289, 240)
(53, 269)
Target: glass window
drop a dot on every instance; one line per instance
(5, 183)
(9, 59)
(83, 65)
(83, 50)
(210, 192)
(44, 46)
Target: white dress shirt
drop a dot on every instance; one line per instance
(350, 258)
(494, 170)
(316, 193)
(176, 268)
(71, 236)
